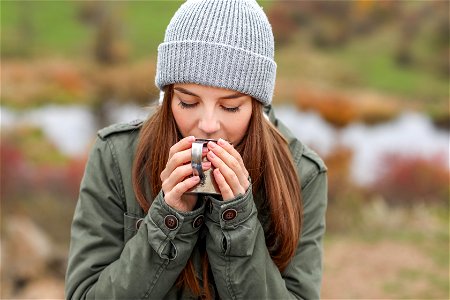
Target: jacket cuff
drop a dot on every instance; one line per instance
(232, 225)
(169, 229)
(231, 213)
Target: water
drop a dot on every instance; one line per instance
(411, 134)
(72, 130)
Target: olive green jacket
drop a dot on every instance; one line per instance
(119, 252)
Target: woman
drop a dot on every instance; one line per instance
(138, 233)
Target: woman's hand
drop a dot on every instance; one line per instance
(175, 180)
(230, 174)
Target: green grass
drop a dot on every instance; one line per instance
(368, 62)
(146, 22)
(365, 63)
(42, 28)
(372, 58)
(56, 27)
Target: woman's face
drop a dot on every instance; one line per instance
(210, 112)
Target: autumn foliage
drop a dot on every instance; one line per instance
(28, 84)
(341, 109)
(406, 180)
(29, 172)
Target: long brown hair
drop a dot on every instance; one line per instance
(267, 157)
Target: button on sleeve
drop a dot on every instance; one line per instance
(171, 231)
(198, 221)
(171, 222)
(232, 225)
(230, 213)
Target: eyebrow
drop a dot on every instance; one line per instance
(184, 91)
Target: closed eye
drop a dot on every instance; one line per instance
(185, 105)
(230, 109)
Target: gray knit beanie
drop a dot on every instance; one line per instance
(220, 43)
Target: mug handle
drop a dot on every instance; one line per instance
(196, 161)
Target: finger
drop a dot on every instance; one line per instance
(225, 190)
(233, 152)
(183, 144)
(231, 162)
(182, 187)
(229, 175)
(179, 174)
(177, 159)
(175, 177)
(205, 151)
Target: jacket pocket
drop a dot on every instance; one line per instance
(131, 225)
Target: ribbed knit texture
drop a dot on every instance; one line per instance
(220, 43)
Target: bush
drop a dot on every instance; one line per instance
(407, 180)
(30, 166)
(342, 109)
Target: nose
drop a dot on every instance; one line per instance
(209, 123)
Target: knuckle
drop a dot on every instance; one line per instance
(168, 196)
(235, 164)
(182, 171)
(184, 186)
(222, 183)
(176, 172)
(228, 173)
(177, 148)
(218, 175)
(174, 159)
(171, 150)
(166, 191)
(178, 189)
(241, 162)
(234, 177)
(178, 158)
(220, 150)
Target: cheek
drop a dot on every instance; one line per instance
(182, 119)
(241, 124)
(237, 125)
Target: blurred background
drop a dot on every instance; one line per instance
(364, 83)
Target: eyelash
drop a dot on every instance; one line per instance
(184, 105)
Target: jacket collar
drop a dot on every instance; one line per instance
(286, 132)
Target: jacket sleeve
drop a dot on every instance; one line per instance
(101, 265)
(241, 264)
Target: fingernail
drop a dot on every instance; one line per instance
(195, 178)
(212, 144)
(221, 142)
(191, 138)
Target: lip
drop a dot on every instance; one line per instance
(205, 140)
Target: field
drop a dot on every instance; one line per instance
(352, 62)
